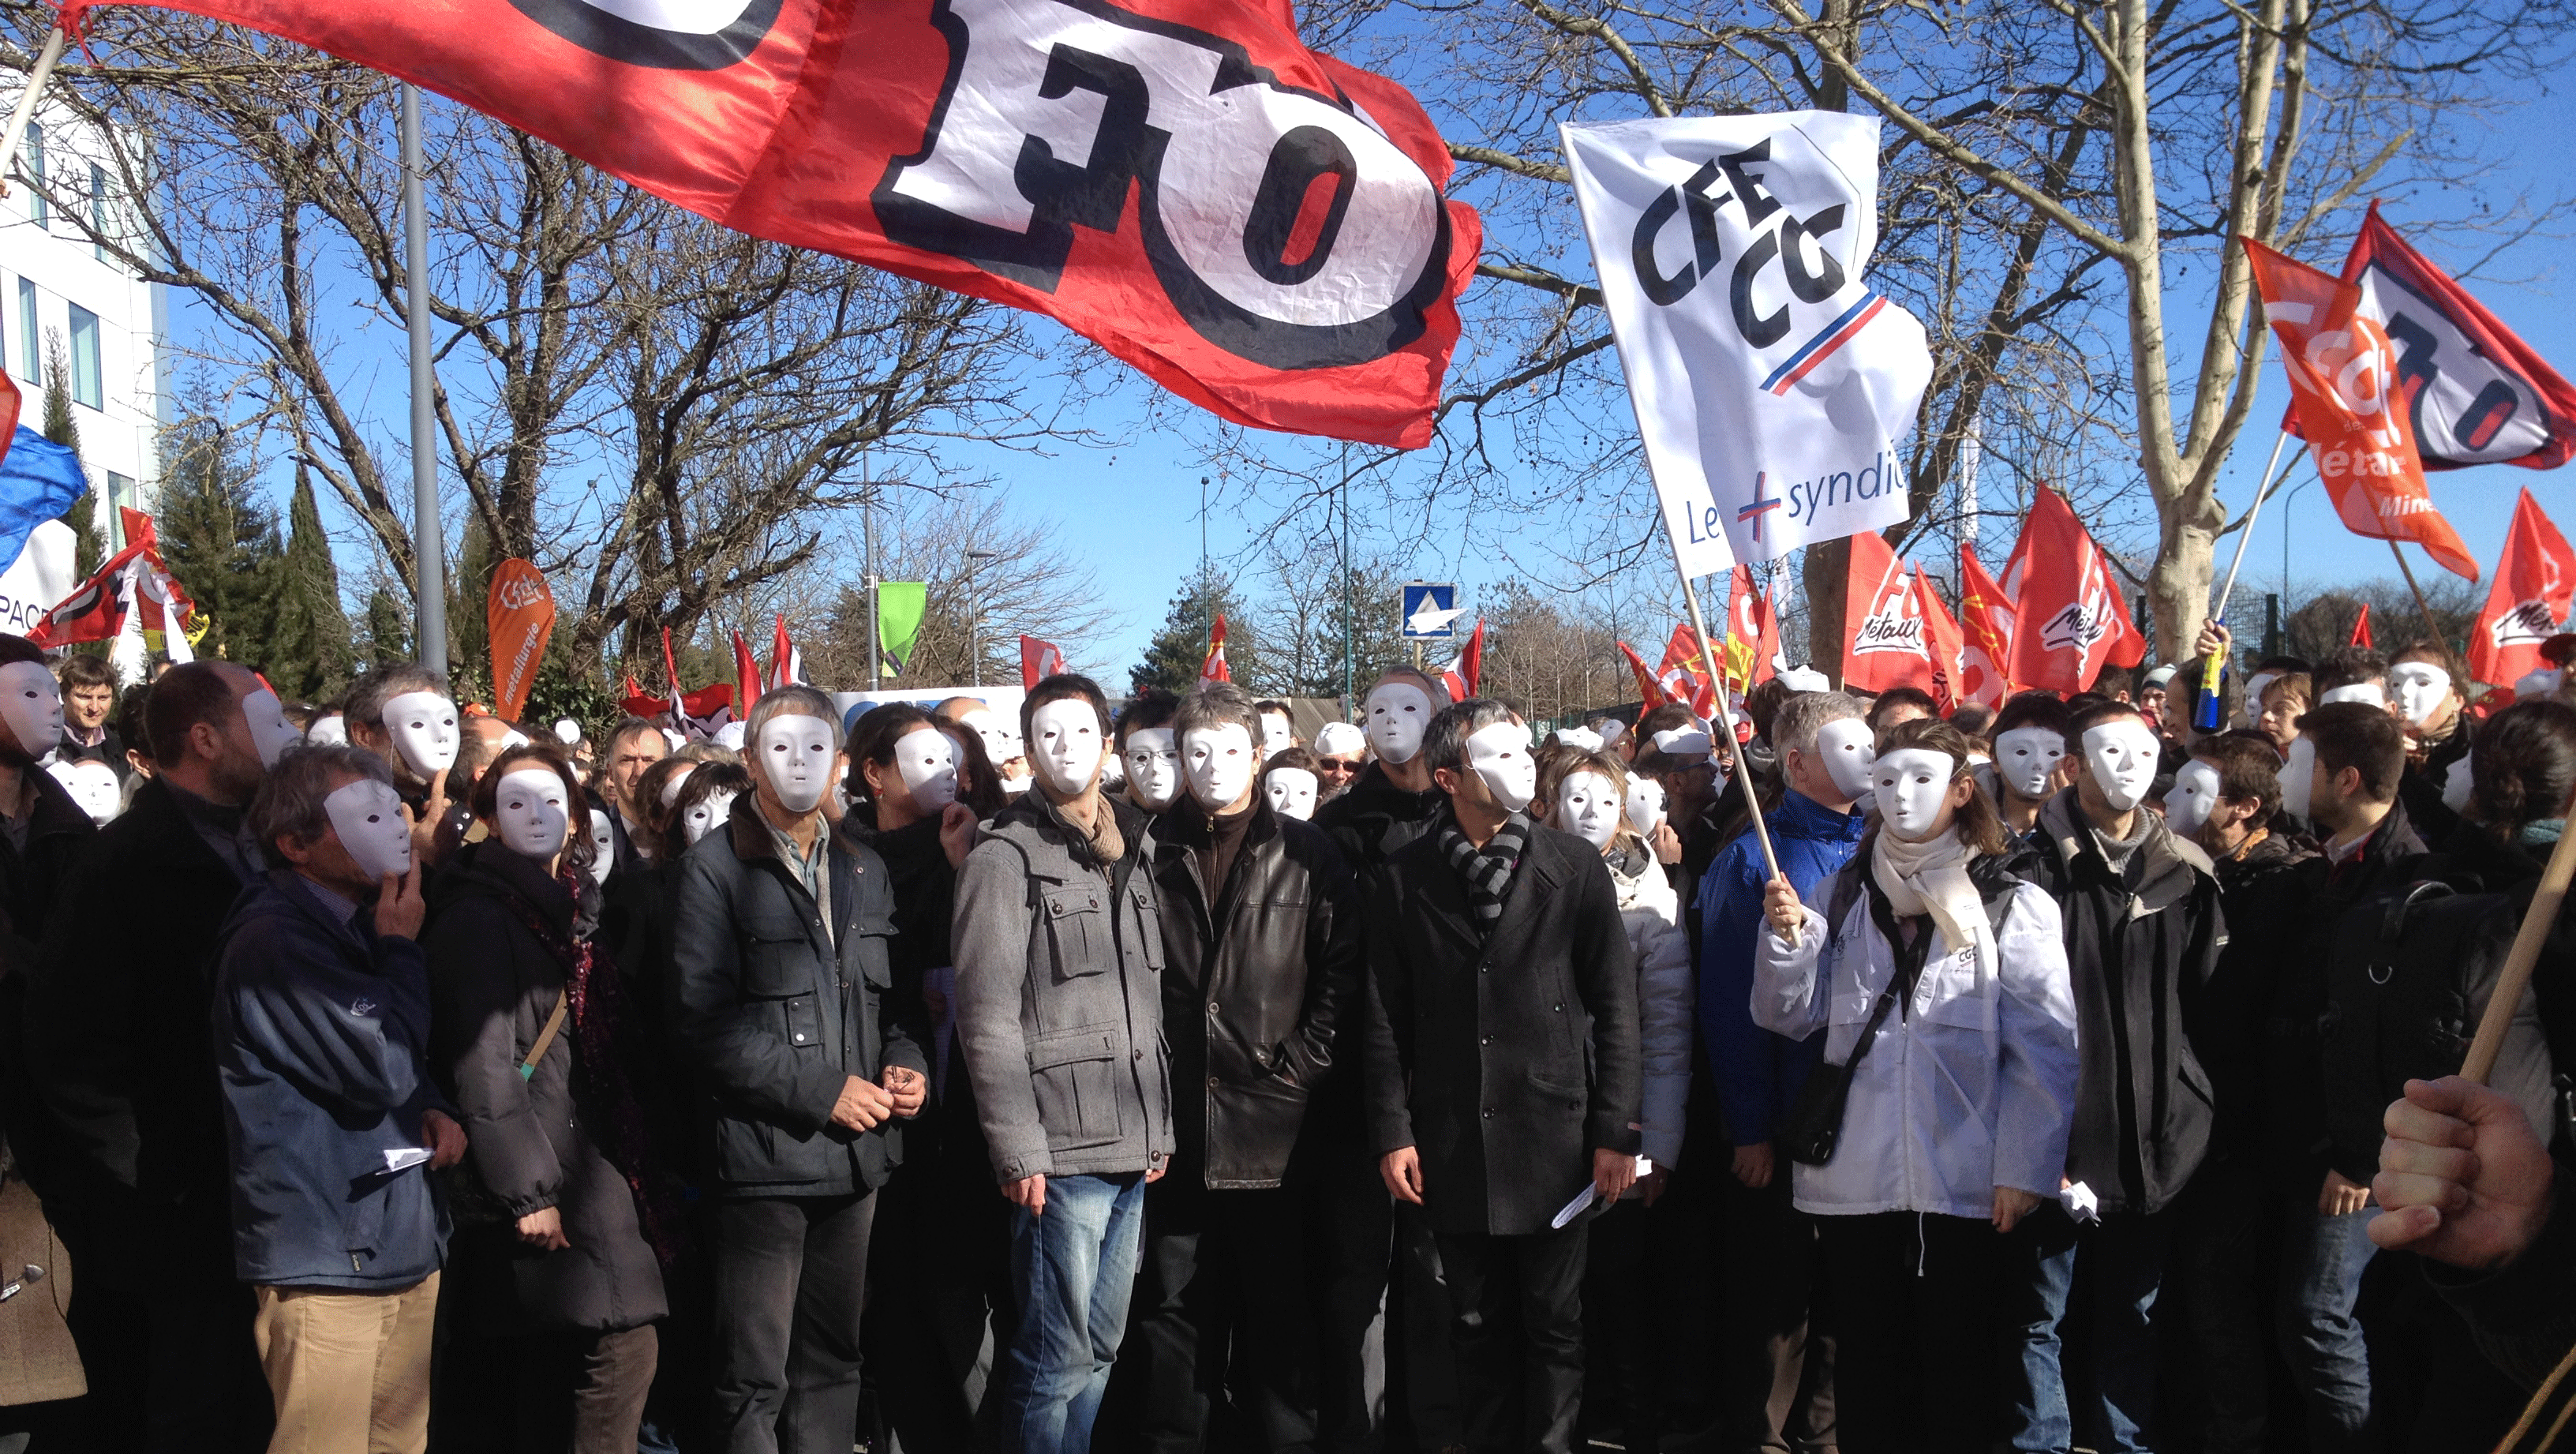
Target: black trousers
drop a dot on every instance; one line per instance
(1518, 1330)
(1225, 1288)
(1916, 1350)
(791, 1281)
(939, 1295)
(1350, 1232)
(169, 1356)
(1776, 1360)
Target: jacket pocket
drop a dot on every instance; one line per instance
(1149, 927)
(777, 959)
(804, 1023)
(1074, 1074)
(1077, 929)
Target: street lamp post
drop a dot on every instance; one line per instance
(975, 615)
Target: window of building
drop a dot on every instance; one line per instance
(121, 497)
(31, 348)
(98, 209)
(36, 208)
(89, 379)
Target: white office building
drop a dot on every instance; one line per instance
(55, 281)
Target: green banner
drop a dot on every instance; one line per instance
(899, 609)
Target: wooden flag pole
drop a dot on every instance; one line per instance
(2432, 631)
(1725, 715)
(46, 60)
(2524, 956)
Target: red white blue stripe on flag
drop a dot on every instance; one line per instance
(1821, 347)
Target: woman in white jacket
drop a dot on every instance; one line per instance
(1585, 793)
(1957, 1114)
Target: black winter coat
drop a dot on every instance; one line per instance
(116, 1036)
(1374, 819)
(2262, 893)
(1255, 990)
(531, 1141)
(776, 1014)
(1508, 1060)
(2141, 948)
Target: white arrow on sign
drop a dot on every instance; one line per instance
(1429, 618)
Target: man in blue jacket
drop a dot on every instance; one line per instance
(1767, 1359)
(321, 1026)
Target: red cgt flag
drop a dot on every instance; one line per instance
(2344, 384)
(1288, 262)
(1685, 676)
(2535, 588)
(1650, 690)
(1038, 661)
(2361, 626)
(1752, 634)
(2069, 620)
(1985, 634)
(1213, 667)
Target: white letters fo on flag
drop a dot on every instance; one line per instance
(1770, 380)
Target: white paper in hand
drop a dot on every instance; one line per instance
(1585, 1197)
(404, 1158)
(2080, 1202)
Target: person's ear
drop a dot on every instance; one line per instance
(874, 775)
(298, 854)
(1445, 779)
(1962, 788)
(205, 740)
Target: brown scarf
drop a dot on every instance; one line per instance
(1093, 817)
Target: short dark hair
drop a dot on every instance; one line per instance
(578, 850)
(2249, 766)
(1146, 711)
(2042, 710)
(367, 699)
(1302, 759)
(2523, 765)
(1219, 704)
(632, 727)
(710, 779)
(1762, 704)
(290, 804)
(2279, 664)
(2094, 714)
(1266, 704)
(1064, 687)
(131, 715)
(1664, 719)
(874, 735)
(1895, 697)
(184, 696)
(644, 806)
(1444, 742)
(87, 671)
(1978, 824)
(15, 649)
(2347, 666)
(2362, 737)
(1972, 718)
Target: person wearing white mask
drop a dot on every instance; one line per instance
(2030, 760)
(1261, 933)
(1278, 728)
(2143, 934)
(1393, 801)
(1940, 984)
(565, 1264)
(1291, 783)
(2424, 689)
(2354, 674)
(1060, 968)
(1512, 928)
(1774, 1388)
(804, 1063)
(44, 826)
(117, 1007)
(1150, 753)
(406, 715)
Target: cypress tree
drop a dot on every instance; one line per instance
(63, 428)
(221, 541)
(311, 655)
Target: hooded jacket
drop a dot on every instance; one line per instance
(2142, 945)
(1059, 995)
(1970, 1084)
(1759, 1074)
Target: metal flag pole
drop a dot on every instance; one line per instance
(428, 534)
(868, 524)
(1743, 773)
(2265, 483)
(46, 60)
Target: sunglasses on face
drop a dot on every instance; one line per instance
(1335, 767)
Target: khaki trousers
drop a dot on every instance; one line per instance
(349, 1370)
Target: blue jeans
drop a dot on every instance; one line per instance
(2122, 1260)
(2322, 1259)
(1073, 1270)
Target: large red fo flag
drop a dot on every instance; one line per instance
(2068, 620)
(1884, 640)
(1985, 634)
(2535, 587)
(2344, 386)
(1038, 661)
(1259, 228)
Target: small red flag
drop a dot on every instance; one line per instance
(746, 675)
(1945, 643)
(1463, 678)
(1985, 632)
(1214, 668)
(2361, 626)
(1649, 690)
(2535, 588)
(1040, 660)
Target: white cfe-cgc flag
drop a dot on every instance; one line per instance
(1771, 382)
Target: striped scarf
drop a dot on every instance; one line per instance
(1486, 873)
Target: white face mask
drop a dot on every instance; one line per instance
(31, 704)
(1277, 735)
(1292, 792)
(423, 727)
(530, 813)
(2422, 688)
(92, 785)
(331, 731)
(567, 732)
(706, 813)
(1068, 747)
(2193, 795)
(1911, 785)
(925, 761)
(796, 757)
(2370, 692)
(2298, 778)
(2026, 759)
(2457, 782)
(270, 732)
(1001, 737)
(1153, 768)
(1645, 805)
(1581, 738)
(1500, 754)
(678, 779)
(1589, 808)
(2122, 758)
(603, 847)
(1845, 746)
(1398, 715)
(367, 815)
(1219, 762)
(2255, 686)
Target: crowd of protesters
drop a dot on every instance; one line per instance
(2056, 1076)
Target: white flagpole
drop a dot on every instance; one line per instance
(46, 60)
(2265, 485)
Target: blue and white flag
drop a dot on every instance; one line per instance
(1771, 382)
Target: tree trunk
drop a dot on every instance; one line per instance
(1827, 565)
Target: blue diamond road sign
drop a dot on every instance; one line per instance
(1430, 611)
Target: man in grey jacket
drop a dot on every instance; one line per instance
(1059, 1014)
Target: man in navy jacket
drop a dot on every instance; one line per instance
(321, 1025)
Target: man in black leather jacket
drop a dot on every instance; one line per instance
(1261, 930)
